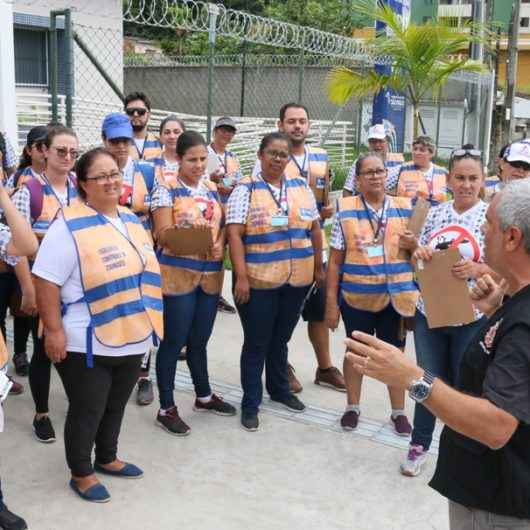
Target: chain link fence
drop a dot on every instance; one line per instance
(292, 65)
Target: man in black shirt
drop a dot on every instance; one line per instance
(483, 465)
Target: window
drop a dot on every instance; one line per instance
(525, 22)
(31, 64)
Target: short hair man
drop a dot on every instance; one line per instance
(145, 144)
(483, 464)
(378, 142)
(311, 163)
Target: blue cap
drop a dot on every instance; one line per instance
(116, 125)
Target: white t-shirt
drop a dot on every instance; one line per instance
(140, 142)
(57, 262)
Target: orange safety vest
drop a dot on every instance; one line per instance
(492, 185)
(182, 274)
(317, 178)
(276, 255)
(163, 174)
(232, 169)
(51, 204)
(412, 183)
(371, 283)
(4, 355)
(152, 148)
(137, 197)
(120, 277)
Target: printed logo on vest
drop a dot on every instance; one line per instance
(487, 343)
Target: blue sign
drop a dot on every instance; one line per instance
(389, 105)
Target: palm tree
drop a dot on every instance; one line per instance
(423, 58)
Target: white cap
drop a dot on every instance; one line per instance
(518, 152)
(377, 132)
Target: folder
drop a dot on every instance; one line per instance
(416, 222)
(446, 298)
(183, 241)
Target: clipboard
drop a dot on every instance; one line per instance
(183, 241)
(446, 298)
(416, 222)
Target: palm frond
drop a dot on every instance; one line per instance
(342, 84)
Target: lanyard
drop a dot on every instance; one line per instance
(55, 194)
(428, 176)
(302, 171)
(224, 162)
(278, 202)
(380, 219)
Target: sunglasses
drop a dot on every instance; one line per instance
(459, 153)
(135, 110)
(519, 164)
(63, 152)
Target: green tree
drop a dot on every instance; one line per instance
(423, 58)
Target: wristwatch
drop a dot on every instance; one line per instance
(420, 389)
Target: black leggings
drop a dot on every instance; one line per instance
(39, 372)
(8, 285)
(97, 398)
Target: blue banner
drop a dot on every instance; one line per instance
(388, 105)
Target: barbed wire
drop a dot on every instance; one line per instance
(194, 15)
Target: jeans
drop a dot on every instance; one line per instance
(97, 398)
(463, 518)
(40, 368)
(268, 320)
(188, 321)
(438, 350)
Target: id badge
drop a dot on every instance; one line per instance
(228, 181)
(280, 220)
(375, 251)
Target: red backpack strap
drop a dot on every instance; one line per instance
(36, 195)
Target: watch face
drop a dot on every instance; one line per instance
(420, 391)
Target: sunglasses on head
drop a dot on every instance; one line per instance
(519, 164)
(135, 110)
(460, 153)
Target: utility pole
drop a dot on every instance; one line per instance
(511, 71)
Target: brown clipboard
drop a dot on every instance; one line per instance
(416, 222)
(188, 241)
(446, 298)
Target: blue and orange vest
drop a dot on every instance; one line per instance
(138, 196)
(492, 185)
(120, 277)
(163, 174)
(317, 178)
(231, 167)
(152, 148)
(50, 203)
(412, 183)
(276, 255)
(183, 274)
(371, 283)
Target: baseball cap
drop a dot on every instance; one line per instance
(35, 134)
(377, 132)
(518, 152)
(116, 125)
(225, 121)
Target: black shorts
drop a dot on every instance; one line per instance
(315, 306)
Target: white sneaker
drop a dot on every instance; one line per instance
(416, 457)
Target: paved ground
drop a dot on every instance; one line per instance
(300, 471)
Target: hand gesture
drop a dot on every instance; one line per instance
(408, 241)
(487, 295)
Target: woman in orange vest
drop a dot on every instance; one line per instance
(422, 177)
(275, 245)
(368, 282)
(39, 199)
(190, 284)
(99, 298)
(452, 224)
(16, 239)
(167, 165)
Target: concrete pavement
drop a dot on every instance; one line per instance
(299, 471)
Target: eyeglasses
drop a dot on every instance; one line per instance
(373, 172)
(63, 152)
(459, 153)
(283, 155)
(131, 111)
(519, 164)
(106, 177)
